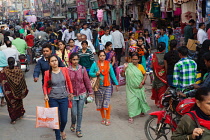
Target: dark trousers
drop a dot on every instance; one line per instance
(62, 105)
(118, 52)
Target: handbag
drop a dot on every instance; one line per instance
(95, 83)
(47, 117)
(70, 104)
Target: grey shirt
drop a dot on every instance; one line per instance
(58, 90)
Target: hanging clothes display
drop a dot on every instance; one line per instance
(188, 11)
(155, 9)
(100, 15)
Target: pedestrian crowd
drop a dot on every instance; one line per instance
(79, 61)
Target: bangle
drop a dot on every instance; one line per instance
(143, 83)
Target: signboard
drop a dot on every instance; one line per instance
(26, 4)
(19, 7)
(81, 9)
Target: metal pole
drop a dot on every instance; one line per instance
(118, 12)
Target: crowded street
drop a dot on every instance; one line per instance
(93, 130)
(105, 69)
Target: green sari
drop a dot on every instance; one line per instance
(136, 98)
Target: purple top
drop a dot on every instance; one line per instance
(80, 80)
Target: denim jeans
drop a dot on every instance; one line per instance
(62, 105)
(170, 80)
(76, 112)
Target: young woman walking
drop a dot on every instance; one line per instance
(82, 88)
(105, 71)
(110, 54)
(63, 53)
(135, 80)
(57, 89)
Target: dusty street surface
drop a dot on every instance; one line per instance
(120, 129)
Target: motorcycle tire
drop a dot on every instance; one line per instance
(148, 129)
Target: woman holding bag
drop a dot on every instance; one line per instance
(103, 70)
(57, 88)
(81, 83)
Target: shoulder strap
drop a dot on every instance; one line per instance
(83, 71)
(196, 120)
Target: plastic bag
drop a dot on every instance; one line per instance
(47, 117)
(121, 80)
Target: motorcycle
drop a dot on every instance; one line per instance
(161, 123)
(23, 63)
(37, 49)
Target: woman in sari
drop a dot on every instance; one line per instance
(72, 47)
(135, 80)
(110, 54)
(104, 70)
(159, 85)
(14, 89)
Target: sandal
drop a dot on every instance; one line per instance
(130, 120)
(72, 128)
(79, 134)
(103, 122)
(142, 115)
(108, 123)
(63, 136)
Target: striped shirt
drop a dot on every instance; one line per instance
(184, 73)
(86, 59)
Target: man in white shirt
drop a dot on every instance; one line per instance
(79, 39)
(118, 43)
(86, 31)
(106, 37)
(90, 44)
(202, 35)
(3, 47)
(68, 34)
(9, 52)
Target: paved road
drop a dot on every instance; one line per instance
(120, 129)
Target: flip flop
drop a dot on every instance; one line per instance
(108, 123)
(72, 128)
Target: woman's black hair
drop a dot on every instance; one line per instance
(130, 34)
(73, 55)
(50, 71)
(135, 54)
(70, 40)
(201, 93)
(108, 44)
(84, 42)
(170, 31)
(63, 53)
(146, 30)
(161, 46)
(172, 53)
(11, 62)
(99, 52)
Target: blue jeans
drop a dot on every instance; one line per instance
(62, 105)
(76, 112)
(170, 80)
